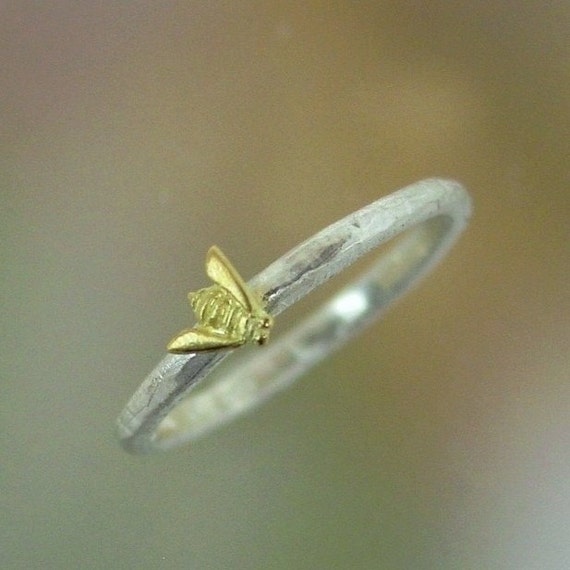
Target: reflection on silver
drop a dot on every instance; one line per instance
(350, 305)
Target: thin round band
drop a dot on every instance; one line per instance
(168, 409)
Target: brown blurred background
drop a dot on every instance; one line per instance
(134, 135)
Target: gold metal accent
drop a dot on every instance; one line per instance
(229, 313)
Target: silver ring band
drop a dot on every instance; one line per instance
(166, 411)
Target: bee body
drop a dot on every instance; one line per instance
(217, 309)
(228, 313)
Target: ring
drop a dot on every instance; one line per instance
(168, 409)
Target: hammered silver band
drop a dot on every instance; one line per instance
(169, 408)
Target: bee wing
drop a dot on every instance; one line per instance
(201, 338)
(222, 272)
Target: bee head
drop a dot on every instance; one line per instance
(264, 325)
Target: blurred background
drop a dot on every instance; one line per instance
(136, 134)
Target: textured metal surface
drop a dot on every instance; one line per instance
(162, 414)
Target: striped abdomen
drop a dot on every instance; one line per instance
(216, 308)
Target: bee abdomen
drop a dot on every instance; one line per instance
(215, 307)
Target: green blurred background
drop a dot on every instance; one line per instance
(136, 134)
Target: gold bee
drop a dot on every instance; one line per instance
(229, 313)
